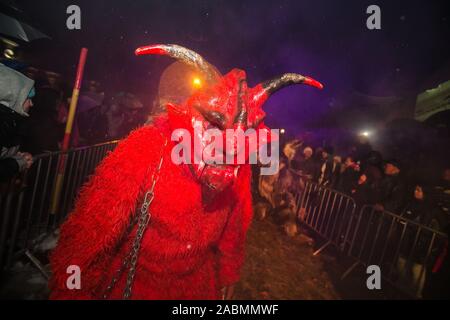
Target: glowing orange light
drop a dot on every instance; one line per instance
(197, 83)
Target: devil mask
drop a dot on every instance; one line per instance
(222, 102)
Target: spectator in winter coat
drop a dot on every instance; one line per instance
(44, 115)
(335, 172)
(307, 165)
(441, 192)
(414, 245)
(363, 193)
(349, 176)
(392, 188)
(16, 91)
(326, 167)
(373, 163)
(436, 285)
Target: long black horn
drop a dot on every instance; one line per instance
(261, 92)
(288, 79)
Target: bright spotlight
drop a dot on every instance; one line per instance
(282, 131)
(365, 134)
(8, 53)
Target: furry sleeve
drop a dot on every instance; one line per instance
(232, 242)
(102, 213)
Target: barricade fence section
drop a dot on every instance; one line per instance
(25, 206)
(404, 250)
(327, 212)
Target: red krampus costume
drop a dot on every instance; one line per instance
(194, 243)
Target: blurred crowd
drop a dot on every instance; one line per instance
(34, 107)
(365, 176)
(385, 185)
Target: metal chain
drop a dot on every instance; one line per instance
(142, 219)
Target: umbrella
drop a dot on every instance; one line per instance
(12, 27)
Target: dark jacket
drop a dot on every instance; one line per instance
(335, 175)
(437, 281)
(348, 180)
(392, 193)
(325, 177)
(14, 90)
(44, 114)
(363, 194)
(11, 135)
(306, 166)
(416, 244)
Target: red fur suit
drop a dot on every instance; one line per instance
(188, 252)
(194, 243)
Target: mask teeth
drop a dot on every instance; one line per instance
(236, 170)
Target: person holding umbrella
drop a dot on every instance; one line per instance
(16, 92)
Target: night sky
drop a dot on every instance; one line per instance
(324, 39)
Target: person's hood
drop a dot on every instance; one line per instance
(14, 89)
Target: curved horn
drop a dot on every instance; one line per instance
(263, 91)
(288, 79)
(181, 53)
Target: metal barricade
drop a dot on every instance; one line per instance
(25, 208)
(404, 250)
(327, 212)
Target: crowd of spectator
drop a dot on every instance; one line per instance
(371, 180)
(383, 184)
(34, 109)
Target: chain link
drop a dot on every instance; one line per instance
(142, 219)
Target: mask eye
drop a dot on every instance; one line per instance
(215, 119)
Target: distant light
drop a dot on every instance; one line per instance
(365, 134)
(8, 53)
(282, 131)
(197, 83)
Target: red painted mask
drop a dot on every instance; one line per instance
(223, 102)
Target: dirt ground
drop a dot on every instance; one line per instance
(281, 267)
